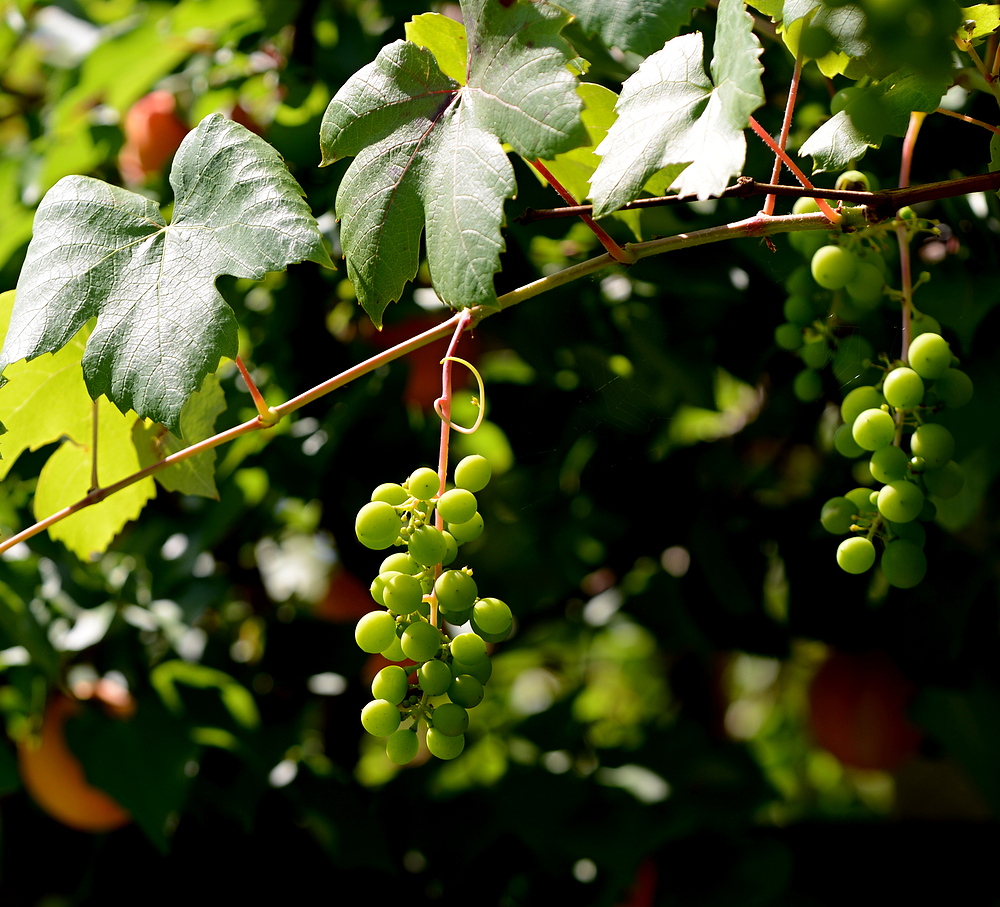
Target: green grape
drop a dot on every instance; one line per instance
(923, 324)
(852, 361)
(391, 684)
(377, 525)
(466, 691)
(805, 205)
(842, 98)
(400, 562)
(833, 266)
(889, 464)
(861, 499)
(807, 242)
(468, 648)
(865, 287)
(807, 386)
(815, 353)
(903, 388)
(380, 718)
(858, 400)
(852, 180)
(421, 641)
(444, 747)
(375, 631)
(837, 515)
(457, 505)
(800, 282)
(493, 616)
(423, 483)
(912, 532)
(394, 651)
(934, 444)
(799, 310)
(377, 588)
(434, 677)
(904, 564)
(390, 493)
(488, 637)
(900, 501)
(467, 531)
(450, 548)
(954, 387)
(402, 593)
(402, 746)
(482, 670)
(457, 618)
(427, 546)
(450, 719)
(473, 473)
(855, 555)
(873, 429)
(455, 590)
(929, 355)
(788, 337)
(945, 481)
(929, 511)
(844, 443)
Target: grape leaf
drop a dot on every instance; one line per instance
(640, 26)
(445, 39)
(879, 110)
(66, 478)
(670, 113)
(429, 156)
(161, 323)
(979, 21)
(153, 442)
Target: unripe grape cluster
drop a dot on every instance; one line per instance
(420, 591)
(882, 421)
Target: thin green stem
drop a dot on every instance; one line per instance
(94, 482)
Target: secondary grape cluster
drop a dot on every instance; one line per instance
(445, 675)
(882, 421)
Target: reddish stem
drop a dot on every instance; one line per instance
(902, 234)
(614, 250)
(786, 126)
(267, 415)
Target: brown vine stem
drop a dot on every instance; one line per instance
(786, 125)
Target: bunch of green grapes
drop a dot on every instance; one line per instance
(420, 591)
(911, 457)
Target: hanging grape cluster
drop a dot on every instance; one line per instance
(419, 595)
(883, 420)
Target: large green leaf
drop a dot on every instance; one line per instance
(428, 150)
(670, 113)
(640, 26)
(879, 110)
(161, 323)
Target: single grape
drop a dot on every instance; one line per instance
(450, 719)
(844, 443)
(394, 651)
(482, 670)
(904, 564)
(466, 691)
(805, 205)
(380, 718)
(377, 588)
(390, 493)
(487, 637)
(377, 525)
(852, 361)
(457, 618)
(853, 180)
(954, 388)
(934, 444)
(450, 548)
(468, 648)
(427, 546)
(815, 353)
(442, 746)
(807, 242)
(855, 555)
(788, 336)
(473, 473)
(945, 481)
(434, 677)
(861, 499)
(400, 562)
(865, 287)
(842, 98)
(900, 501)
(800, 281)
(402, 746)
(421, 641)
(912, 532)
(457, 505)
(858, 400)
(837, 515)
(402, 593)
(455, 590)
(492, 615)
(903, 388)
(833, 266)
(929, 355)
(391, 684)
(799, 310)
(807, 386)
(889, 464)
(375, 631)
(423, 483)
(921, 323)
(873, 429)
(467, 531)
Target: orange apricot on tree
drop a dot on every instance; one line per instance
(55, 779)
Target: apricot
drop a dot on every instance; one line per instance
(55, 779)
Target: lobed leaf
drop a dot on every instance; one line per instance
(639, 26)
